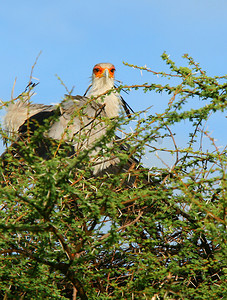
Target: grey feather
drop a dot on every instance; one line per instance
(81, 120)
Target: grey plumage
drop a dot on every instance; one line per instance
(81, 120)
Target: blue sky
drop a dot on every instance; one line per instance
(73, 35)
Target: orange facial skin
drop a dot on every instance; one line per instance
(98, 71)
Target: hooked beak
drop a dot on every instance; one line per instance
(106, 73)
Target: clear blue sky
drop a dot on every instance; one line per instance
(73, 35)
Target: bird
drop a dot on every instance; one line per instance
(88, 114)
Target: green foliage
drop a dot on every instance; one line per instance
(132, 233)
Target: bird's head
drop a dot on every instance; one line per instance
(102, 79)
(103, 70)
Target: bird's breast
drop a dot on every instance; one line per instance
(112, 105)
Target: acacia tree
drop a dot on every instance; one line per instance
(130, 233)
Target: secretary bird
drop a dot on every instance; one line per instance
(87, 114)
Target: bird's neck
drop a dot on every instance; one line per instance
(100, 86)
(112, 101)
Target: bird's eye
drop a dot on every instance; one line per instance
(112, 70)
(96, 70)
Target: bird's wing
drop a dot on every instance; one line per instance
(77, 113)
(78, 102)
(37, 120)
(80, 120)
(19, 112)
(127, 108)
(78, 110)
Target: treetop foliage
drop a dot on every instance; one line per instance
(130, 232)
